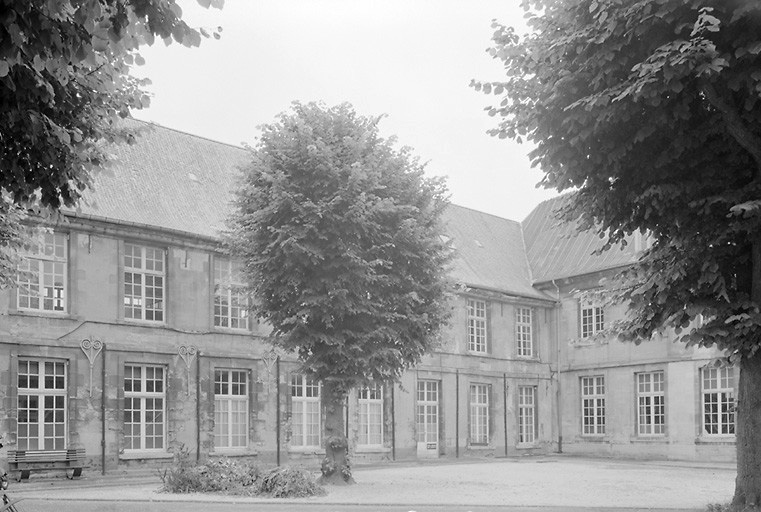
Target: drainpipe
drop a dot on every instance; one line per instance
(277, 408)
(457, 413)
(504, 405)
(103, 412)
(393, 425)
(558, 395)
(198, 406)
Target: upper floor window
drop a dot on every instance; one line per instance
(476, 325)
(144, 281)
(230, 298)
(524, 337)
(42, 275)
(718, 400)
(592, 319)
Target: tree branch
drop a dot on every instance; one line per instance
(735, 125)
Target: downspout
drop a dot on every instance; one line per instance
(277, 408)
(393, 425)
(198, 406)
(504, 405)
(558, 414)
(457, 413)
(103, 413)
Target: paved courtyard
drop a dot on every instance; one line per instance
(553, 481)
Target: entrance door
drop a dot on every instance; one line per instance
(428, 418)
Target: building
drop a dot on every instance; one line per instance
(127, 336)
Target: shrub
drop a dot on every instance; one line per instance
(237, 478)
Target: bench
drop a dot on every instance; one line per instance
(26, 461)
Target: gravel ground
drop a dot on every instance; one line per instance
(549, 481)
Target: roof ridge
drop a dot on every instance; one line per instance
(484, 213)
(194, 135)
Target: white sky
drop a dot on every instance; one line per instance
(412, 60)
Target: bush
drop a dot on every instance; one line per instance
(237, 478)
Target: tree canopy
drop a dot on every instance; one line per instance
(650, 110)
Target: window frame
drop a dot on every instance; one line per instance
(233, 287)
(479, 399)
(42, 393)
(478, 330)
(595, 427)
(143, 395)
(368, 398)
(594, 323)
(650, 403)
(143, 272)
(231, 398)
(528, 415)
(524, 332)
(725, 401)
(301, 400)
(39, 256)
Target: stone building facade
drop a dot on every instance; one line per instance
(127, 336)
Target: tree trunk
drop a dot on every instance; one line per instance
(748, 416)
(336, 469)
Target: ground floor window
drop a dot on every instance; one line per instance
(144, 406)
(527, 414)
(593, 405)
(718, 401)
(428, 411)
(370, 401)
(41, 405)
(230, 408)
(305, 412)
(479, 414)
(651, 408)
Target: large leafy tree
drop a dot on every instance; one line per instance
(64, 83)
(651, 111)
(340, 236)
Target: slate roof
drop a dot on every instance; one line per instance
(168, 179)
(557, 250)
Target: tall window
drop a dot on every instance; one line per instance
(592, 319)
(42, 275)
(230, 299)
(593, 405)
(305, 411)
(651, 408)
(144, 401)
(230, 408)
(718, 401)
(527, 414)
(428, 411)
(371, 415)
(144, 275)
(523, 335)
(479, 414)
(41, 405)
(476, 325)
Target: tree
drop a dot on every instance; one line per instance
(340, 236)
(651, 110)
(64, 84)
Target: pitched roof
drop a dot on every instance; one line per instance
(557, 250)
(490, 252)
(168, 179)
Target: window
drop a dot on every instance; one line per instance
(41, 405)
(718, 401)
(479, 414)
(651, 409)
(593, 405)
(428, 411)
(592, 319)
(42, 275)
(230, 408)
(371, 415)
(230, 299)
(476, 325)
(526, 414)
(143, 283)
(144, 399)
(305, 412)
(523, 336)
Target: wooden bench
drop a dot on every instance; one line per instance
(26, 461)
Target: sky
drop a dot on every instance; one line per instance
(410, 60)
